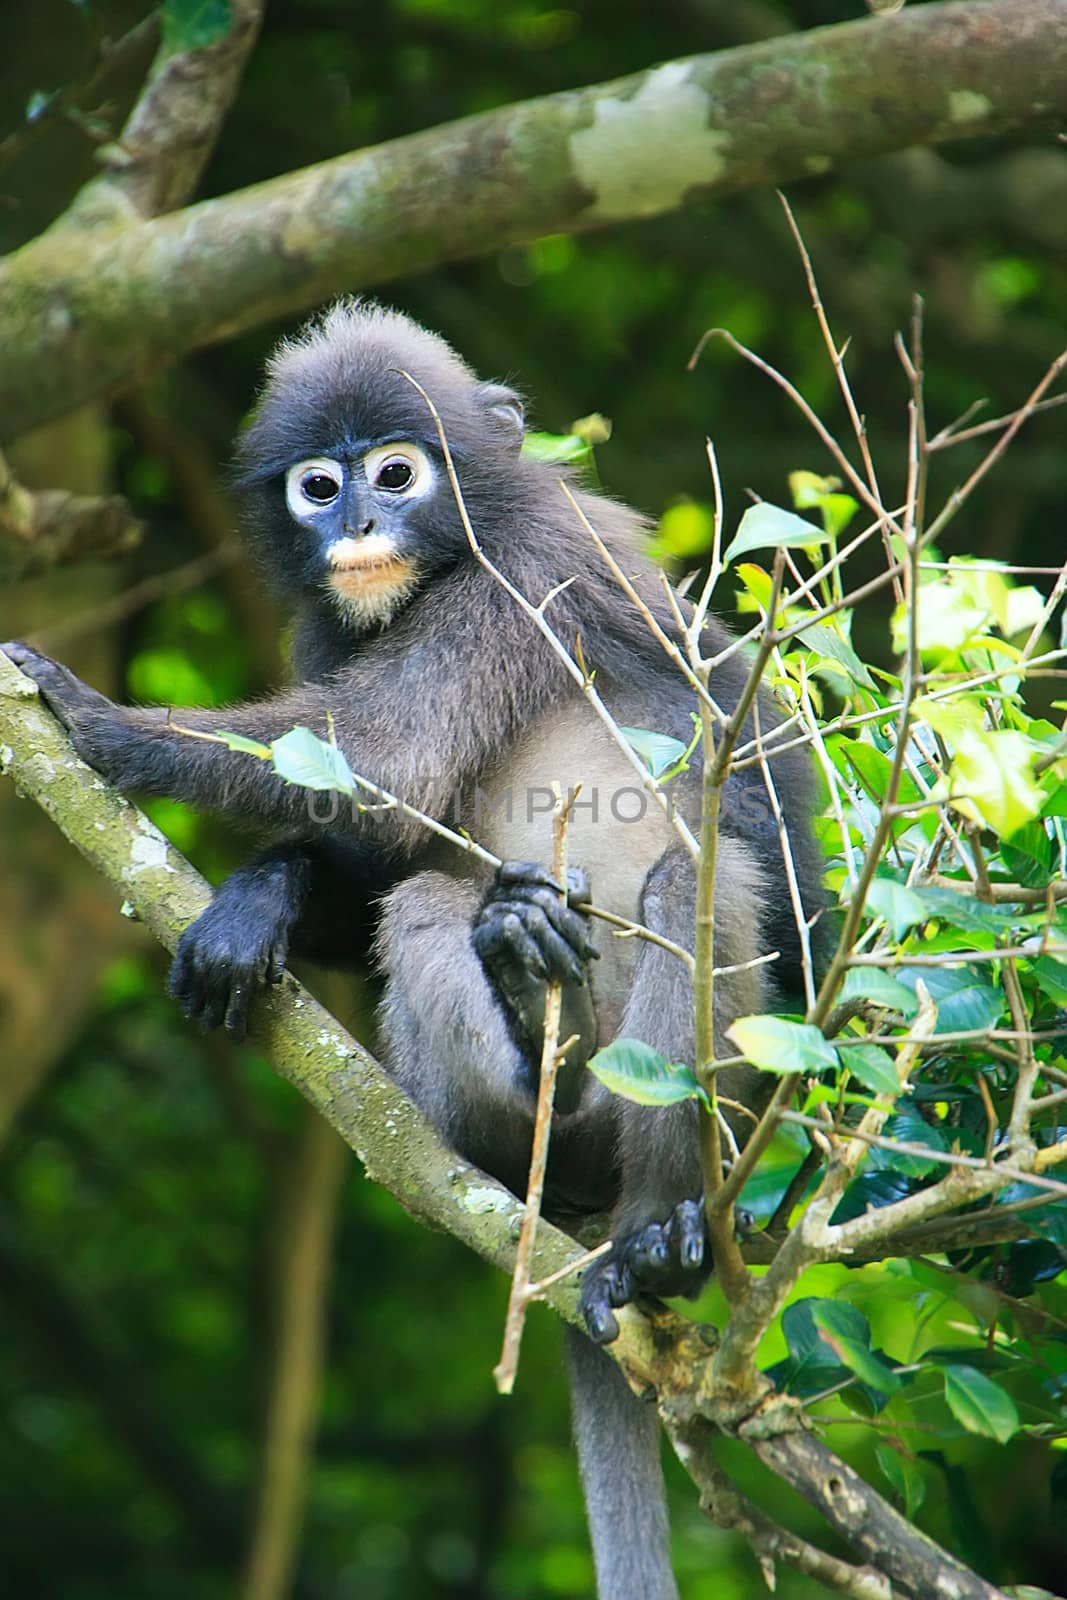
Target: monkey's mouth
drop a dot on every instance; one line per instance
(375, 573)
(369, 566)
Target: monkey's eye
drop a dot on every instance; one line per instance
(398, 469)
(312, 485)
(395, 475)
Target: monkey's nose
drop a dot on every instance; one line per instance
(361, 533)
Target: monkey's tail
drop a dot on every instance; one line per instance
(618, 1439)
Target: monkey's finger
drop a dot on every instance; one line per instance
(649, 1253)
(276, 961)
(214, 1006)
(605, 1285)
(186, 981)
(688, 1235)
(503, 938)
(557, 952)
(569, 924)
(578, 891)
(525, 874)
(237, 1011)
(57, 684)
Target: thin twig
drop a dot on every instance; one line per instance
(522, 1290)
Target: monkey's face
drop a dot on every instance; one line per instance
(363, 516)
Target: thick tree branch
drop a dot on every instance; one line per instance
(84, 314)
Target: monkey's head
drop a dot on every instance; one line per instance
(344, 486)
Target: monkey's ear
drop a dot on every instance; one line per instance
(505, 410)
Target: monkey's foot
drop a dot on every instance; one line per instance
(661, 1259)
(525, 928)
(232, 950)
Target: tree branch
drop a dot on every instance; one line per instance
(44, 528)
(156, 163)
(868, 1523)
(82, 316)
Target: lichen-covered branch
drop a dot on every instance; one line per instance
(83, 313)
(44, 528)
(156, 163)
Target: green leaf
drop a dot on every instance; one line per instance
(993, 773)
(248, 747)
(1051, 978)
(873, 768)
(685, 530)
(873, 1066)
(876, 985)
(658, 751)
(1028, 856)
(39, 102)
(557, 449)
(803, 1337)
(837, 1331)
(910, 1128)
(301, 757)
(776, 1045)
(981, 1405)
(965, 911)
(965, 1001)
(948, 621)
(904, 1476)
(826, 641)
(767, 527)
(810, 491)
(637, 1072)
(194, 24)
(900, 907)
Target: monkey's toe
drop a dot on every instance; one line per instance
(660, 1258)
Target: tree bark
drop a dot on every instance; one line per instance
(82, 314)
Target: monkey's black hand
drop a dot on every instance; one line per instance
(80, 709)
(525, 931)
(659, 1259)
(524, 935)
(235, 947)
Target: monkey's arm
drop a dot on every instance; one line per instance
(394, 726)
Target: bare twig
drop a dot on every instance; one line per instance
(552, 1054)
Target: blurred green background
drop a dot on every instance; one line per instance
(148, 1177)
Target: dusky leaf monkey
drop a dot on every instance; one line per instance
(439, 688)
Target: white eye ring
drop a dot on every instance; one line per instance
(305, 481)
(388, 461)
